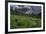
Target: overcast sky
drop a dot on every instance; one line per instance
(29, 9)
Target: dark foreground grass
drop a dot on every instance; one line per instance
(17, 21)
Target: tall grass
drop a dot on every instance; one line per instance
(19, 21)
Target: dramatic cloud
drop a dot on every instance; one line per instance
(27, 9)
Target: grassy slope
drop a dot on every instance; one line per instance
(24, 21)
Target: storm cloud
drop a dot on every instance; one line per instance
(26, 9)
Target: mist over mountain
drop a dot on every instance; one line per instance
(35, 10)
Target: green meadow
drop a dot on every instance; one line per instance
(20, 21)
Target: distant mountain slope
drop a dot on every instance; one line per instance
(36, 10)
